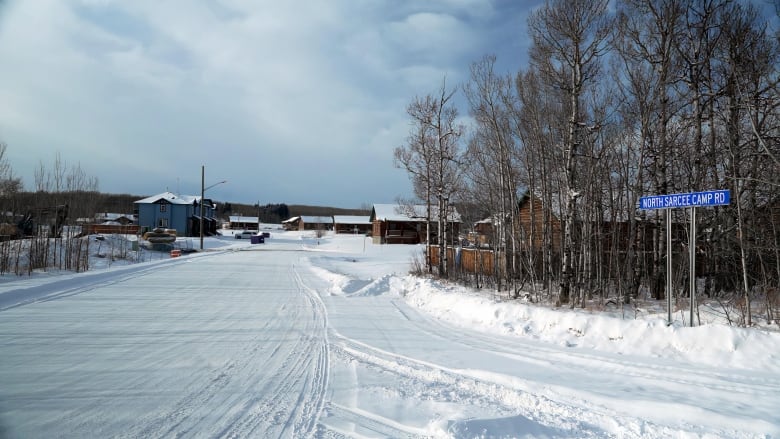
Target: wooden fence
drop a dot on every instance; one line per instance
(468, 259)
(107, 229)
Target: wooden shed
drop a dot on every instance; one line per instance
(396, 224)
(291, 223)
(315, 223)
(305, 222)
(351, 224)
(238, 222)
(531, 218)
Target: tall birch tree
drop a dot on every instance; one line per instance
(569, 37)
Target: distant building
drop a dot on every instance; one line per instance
(109, 223)
(396, 224)
(238, 222)
(306, 222)
(121, 218)
(531, 219)
(180, 212)
(351, 224)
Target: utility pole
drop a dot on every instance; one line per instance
(202, 191)
(202, 194)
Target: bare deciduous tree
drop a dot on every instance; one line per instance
(569, 38)
(432, 156)
(417, 158)
(494, 158)
(648, 30)
(9, 184)
(689, 103)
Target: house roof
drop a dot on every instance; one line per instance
(171, 198)
(291, 220)
(317, 219)
(351, 219)
(108, 216)
(242, 219)
(395, 212)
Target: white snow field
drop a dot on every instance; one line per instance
(330, 338)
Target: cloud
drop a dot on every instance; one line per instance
(285, 96)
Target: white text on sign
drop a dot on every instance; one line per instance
(693, 199)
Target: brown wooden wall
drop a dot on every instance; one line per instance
(396, 232)
(526, 221)
(346, 228)
(536, 221)
(472, 260)
(91, 229)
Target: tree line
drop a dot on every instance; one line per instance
(275, 213)
(62, 184)
(619, 100)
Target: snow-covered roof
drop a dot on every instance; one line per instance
(351, 219)
(171, 198)
(493, 219)
(242, 219)
(395, 212)
(317, 219)
(291, 220)
(114, 216)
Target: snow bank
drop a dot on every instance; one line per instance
(730, 346)
(381, 269)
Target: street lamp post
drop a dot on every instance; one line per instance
(202, 193)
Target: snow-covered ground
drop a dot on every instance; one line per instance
(329, 337)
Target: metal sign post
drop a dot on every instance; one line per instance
(669, 265)
(690, 200)
(692, 264)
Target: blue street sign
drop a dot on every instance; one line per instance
(692, 199)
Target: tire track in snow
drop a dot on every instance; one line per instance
(180, 420)
(671, 380)
(427, 379)
(294, 396)
(77, 284)
(369, 421)
(749, 383)
(285, 403)
(168, 425)
(314, 406)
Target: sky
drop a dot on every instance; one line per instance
(140, 346)
(295, 102)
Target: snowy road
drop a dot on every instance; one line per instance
(282, 342)
(222, 346)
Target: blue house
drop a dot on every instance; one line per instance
(172, 211)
